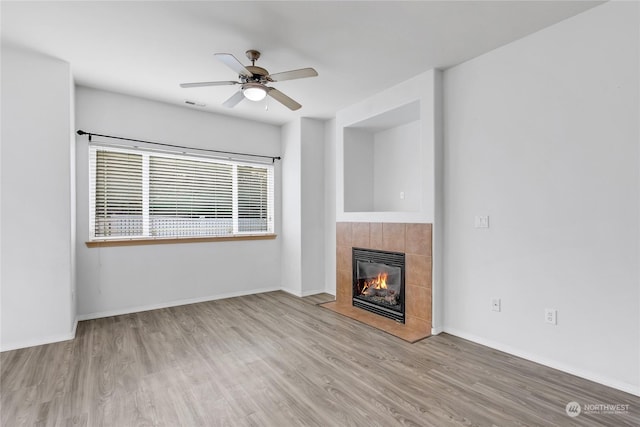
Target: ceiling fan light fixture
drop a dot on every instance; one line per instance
(254, 91)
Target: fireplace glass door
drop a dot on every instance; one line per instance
(378, 282)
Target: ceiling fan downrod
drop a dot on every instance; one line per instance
(253, 56)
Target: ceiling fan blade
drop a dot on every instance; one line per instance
(234, 100)
(283, 99)
(233, 63)
(202, 84)
(293, 74)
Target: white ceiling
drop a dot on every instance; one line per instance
(358, 48)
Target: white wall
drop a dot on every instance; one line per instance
(358, 170)
(115, 280)
(396, 168)
(542, 135)
(291, 208)
(378, 164)
(312, 187)
(37, 200)
(303, 251)
(330, 206)
(439, 219)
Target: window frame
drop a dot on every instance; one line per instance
(146, 237)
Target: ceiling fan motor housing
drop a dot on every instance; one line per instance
(259, 74)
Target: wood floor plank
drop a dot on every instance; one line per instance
(277, 360)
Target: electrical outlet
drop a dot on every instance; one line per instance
(495, 304)
(551, 316)
(482, 221)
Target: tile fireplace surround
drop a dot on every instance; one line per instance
(412, 239)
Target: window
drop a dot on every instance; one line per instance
(142, 194)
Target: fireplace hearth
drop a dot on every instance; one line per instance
(378, 282)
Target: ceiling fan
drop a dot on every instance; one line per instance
(254, 81)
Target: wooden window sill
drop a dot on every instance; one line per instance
(172, 240)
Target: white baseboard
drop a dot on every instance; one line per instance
(313, 292)
(609, 382)
(40, 341)
(174, 303)
(292, 292)
(308, 293)
(74, 328)
(303, 294)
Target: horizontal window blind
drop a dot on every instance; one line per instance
(117, 194)
(253, 198)
(189, 198)
(160, 195)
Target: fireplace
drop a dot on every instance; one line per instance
(378, 282)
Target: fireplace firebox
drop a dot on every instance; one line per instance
(378, 282)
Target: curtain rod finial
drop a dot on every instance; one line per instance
(81, 132)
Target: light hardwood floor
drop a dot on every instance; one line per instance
(277, 360)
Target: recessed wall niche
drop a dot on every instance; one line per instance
(382, 156)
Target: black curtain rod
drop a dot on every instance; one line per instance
(273, 158)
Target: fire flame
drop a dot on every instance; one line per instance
(379, 282)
